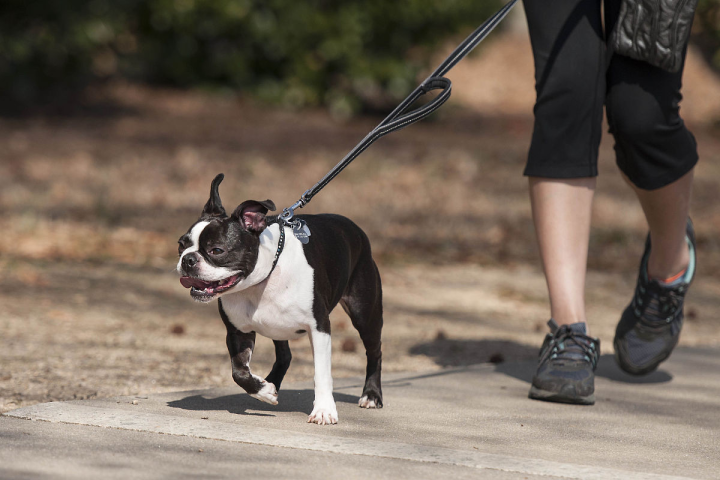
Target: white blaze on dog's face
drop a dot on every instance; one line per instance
(218, 251)
(194, 242)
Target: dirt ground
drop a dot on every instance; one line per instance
(93, 203)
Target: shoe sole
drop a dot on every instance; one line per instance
(635, 370)
(548, 396)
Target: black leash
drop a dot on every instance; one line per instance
(396, 120)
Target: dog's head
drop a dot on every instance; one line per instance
(220, 251)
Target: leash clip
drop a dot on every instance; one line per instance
(299, 227)
(286, 216)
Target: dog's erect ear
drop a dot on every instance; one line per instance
(251, 214)
(213, 208)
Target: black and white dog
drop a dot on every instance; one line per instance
(232, 257)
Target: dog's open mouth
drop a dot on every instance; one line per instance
(204, 291)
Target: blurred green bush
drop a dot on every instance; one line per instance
(348, 55)
(707, 24)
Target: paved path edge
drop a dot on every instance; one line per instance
(62, 412)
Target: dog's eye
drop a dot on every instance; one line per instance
(180, 248)
(217, 251)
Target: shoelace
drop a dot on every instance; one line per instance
(656, 305)
(563, 343)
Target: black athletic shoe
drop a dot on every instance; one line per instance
(650, 326)
(566, 368)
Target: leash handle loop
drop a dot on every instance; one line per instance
(434, 83)
(394, 122)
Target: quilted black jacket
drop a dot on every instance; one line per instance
(655, 31)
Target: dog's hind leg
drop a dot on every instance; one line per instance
(282, 363)
(240, 346)
(363, 304)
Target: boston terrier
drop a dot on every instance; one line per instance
(235, 259)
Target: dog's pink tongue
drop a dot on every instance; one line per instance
(189, 282)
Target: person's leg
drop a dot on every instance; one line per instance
(569, 54)
(561, 211)
(656, 154)
(666, 210)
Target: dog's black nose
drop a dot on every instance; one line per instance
(189, 260)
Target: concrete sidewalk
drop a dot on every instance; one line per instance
(458, 423)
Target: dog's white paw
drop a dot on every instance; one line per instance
(366, 402)
(268, 394)
(324, 414)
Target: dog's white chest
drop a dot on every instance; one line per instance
(281, 306)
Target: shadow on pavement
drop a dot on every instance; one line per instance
(289, 401)
(607, 368)
(515, 359)
(455, 353)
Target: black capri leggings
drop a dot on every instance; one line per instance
(573, 80)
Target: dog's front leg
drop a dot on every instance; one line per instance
(240, 346)
(282, 363)
(324, 410)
